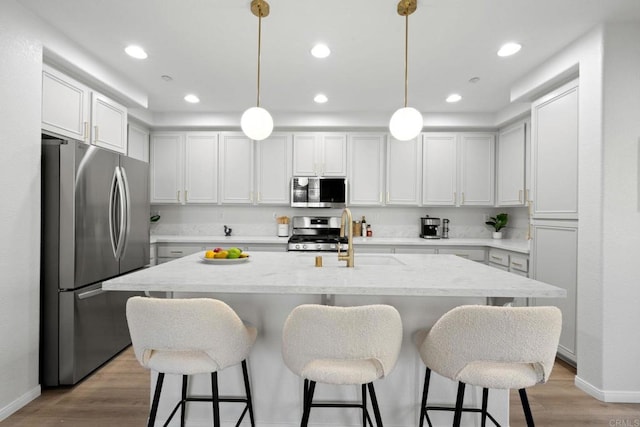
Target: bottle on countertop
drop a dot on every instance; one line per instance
(363, 227)
(369, 231)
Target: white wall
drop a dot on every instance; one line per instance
(20, 99)
(621, 212)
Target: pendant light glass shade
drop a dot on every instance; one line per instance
(256, 123)
(405, 124)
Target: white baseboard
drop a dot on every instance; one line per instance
(19, 402)
(610, 396)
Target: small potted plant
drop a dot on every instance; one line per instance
(498, 222)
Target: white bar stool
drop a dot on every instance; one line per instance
(490, 347)
(188, 337)
(342, 346)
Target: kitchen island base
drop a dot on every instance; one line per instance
(277, 392)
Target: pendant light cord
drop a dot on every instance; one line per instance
(259, 46)
(406, 56)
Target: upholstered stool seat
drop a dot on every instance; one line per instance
(492, 348)
(342, 346)
(188, 337)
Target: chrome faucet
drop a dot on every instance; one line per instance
(349, 222)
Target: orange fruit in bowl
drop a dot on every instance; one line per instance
(209, 254)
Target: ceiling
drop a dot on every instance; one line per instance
(209, 48)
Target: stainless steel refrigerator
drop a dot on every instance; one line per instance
(95, 226)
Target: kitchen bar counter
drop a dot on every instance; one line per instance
(521, 246)
(373, 274)
(265, 289)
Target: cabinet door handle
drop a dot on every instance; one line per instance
(186, 195)
(95, 134)
(178, 195)
(86, 131)
(462, 202)
(455, 198)
(496, 257)
(519, 196)
(388, 198)
(517, 264)
(380, 197)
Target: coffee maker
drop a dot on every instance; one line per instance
(429, 227)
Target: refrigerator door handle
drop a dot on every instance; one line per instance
(123, 217)
(91, 293)
(126, 211)
(112, 231)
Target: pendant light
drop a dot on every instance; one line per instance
(256, 122)
(406, 123)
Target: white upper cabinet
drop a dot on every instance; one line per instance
(440, 171)
(511, 168)
(365, 153)
(477, 169)
(138, 142)
(404, 172)
(320, 154)
(273, 169)
(71, 109)
(554, 152)
(201, 167)
(109, 123)
(236, 168)
(167, 168)
(458, 169)
(66, 105)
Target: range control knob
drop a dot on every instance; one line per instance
(297, 246)
(318, 246)
(304, 246)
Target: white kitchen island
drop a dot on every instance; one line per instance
(269, 285)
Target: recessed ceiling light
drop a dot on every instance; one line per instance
(509, 49)
(166, 78)
(454, 97)
(135, 52)
(320, 98)
(321, 50)
(191, 98)
(474, 79)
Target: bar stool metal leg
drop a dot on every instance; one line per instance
(485, 398)
(247, 388)
(156, 399)
(526, 408)
(364, 405)
(425, 392)
(374, 403)
(215, 399)
(307, 402)
(459, 400)
(183, 404)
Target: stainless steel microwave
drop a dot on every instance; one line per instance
(318, 192)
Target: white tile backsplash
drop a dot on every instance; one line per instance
(385, 221)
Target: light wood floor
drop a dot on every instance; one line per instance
(118, 395)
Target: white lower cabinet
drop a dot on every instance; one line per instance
(169, 252)
(554, 258)
(473, 254)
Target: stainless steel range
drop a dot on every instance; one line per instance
(316, 233)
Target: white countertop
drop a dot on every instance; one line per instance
(521, 246)
(373, 274)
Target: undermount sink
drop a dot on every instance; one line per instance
(331, 260)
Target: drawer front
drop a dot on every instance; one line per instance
(519, 263)
(498, 257)
(175, 251)
(472, 254)
(499, 267)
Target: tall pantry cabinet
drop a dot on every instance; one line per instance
(554, 203)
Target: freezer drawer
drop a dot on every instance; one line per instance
(93, 329)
